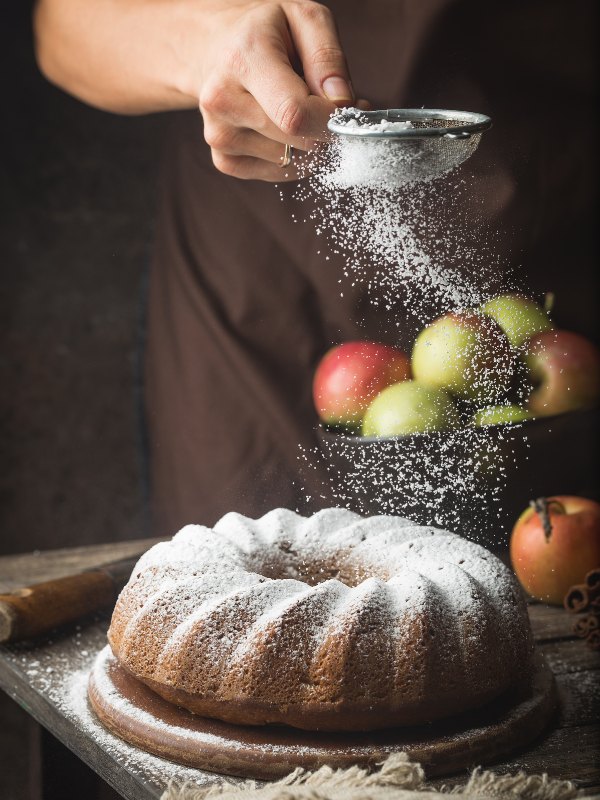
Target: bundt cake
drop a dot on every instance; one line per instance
(332, 622)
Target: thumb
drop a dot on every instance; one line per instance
(317, 43)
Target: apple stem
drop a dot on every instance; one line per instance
(548, 302)
(541, 508)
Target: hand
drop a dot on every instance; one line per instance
(252, 96)
(241, 61)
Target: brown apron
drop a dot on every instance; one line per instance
(242, 305)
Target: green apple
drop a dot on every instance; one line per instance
(408, 407)
(501, 415)
(466, 354)
(518, 316)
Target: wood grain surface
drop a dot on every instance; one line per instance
(570, 749)
(25, 569)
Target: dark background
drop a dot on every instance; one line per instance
(77, 193)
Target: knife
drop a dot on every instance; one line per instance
(38, 609)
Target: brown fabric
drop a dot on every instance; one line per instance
(242, 306)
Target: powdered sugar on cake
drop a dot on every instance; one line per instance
(229, 560)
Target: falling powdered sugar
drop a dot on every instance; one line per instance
(409, 234)
(454, 479)
(414, 242)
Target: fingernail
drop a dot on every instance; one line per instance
(337, 90)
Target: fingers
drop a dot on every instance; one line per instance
(224, 106)
(248, 168)
(286, 100)
(241, 142)
(318, 45)
(267, 74)
(247, 153)
(254, 153)
(255, 102)
(244, 167)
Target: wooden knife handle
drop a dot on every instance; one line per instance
(37, 609)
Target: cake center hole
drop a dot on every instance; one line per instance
(286, 562)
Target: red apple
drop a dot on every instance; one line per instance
(350, 375)
(565, 369)
(549, 559)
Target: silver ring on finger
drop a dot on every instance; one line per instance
(286, 158)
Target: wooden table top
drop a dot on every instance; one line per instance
(47, 678)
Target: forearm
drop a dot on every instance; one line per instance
(127, 56)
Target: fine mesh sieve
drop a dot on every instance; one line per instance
(406, 145)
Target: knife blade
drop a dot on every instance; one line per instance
(33, 610)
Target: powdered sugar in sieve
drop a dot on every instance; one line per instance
(403, 145)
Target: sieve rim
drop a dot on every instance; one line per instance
(470, 123)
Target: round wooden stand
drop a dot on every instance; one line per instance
(134, 713)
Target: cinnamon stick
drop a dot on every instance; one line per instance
(585, 625)
(592, 579)
(593, 639)
(577, 599)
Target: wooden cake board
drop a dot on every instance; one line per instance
(139, 716)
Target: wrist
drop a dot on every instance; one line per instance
(189, 42)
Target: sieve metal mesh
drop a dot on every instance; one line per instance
(408, 145)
